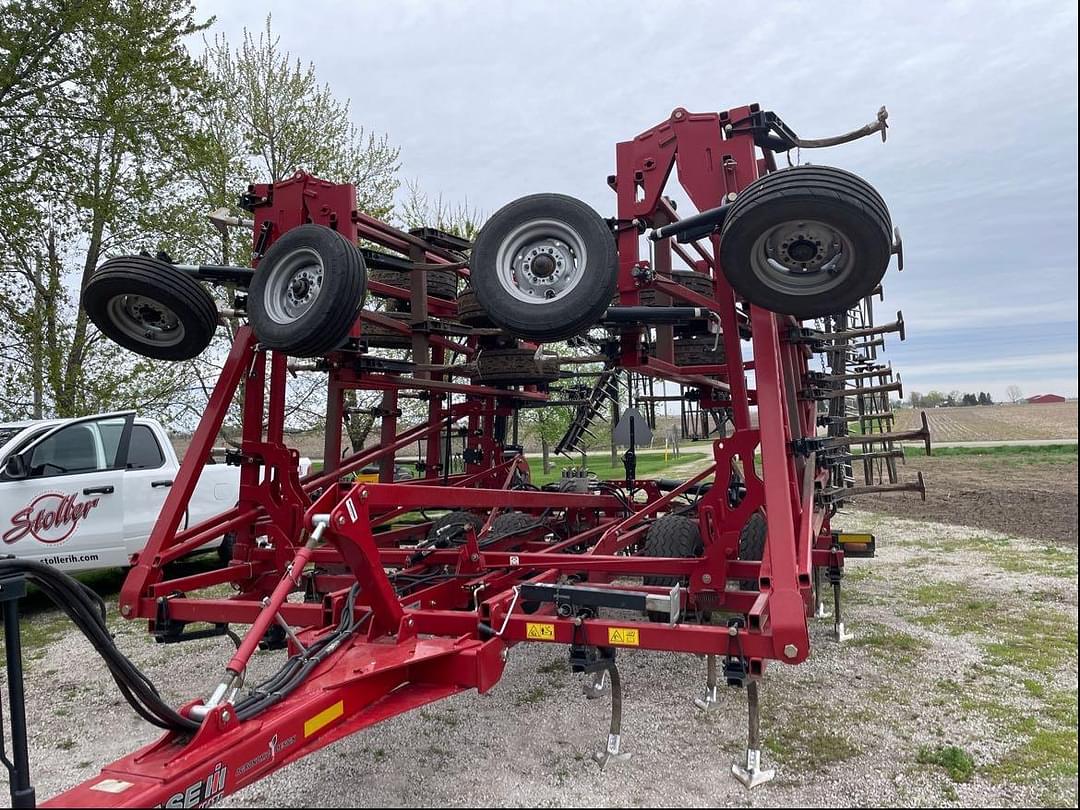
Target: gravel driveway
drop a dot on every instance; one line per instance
(960, 688)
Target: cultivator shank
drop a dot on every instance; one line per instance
(381, 607)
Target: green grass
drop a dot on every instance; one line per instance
(958, 763)
(890, 643)
(647, 465)
(1035, 638)
(1016, 453)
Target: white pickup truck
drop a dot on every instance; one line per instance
(79, 494)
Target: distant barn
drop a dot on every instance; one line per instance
(1044, 399)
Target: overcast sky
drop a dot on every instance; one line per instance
(490, 101)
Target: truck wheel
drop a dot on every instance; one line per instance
(149, 307)
(671, 536)
(807, 241)
(306, 292)
(544, 267)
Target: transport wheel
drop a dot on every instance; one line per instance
(752, 545)
(696, 351)
(225, 550)
(544, 267)
(696, 282)
(440, 283)
(306, 292)
(149, 307)
(806, 241)
(378, 336)
(469, 310)
(511, 524)
(671, 536)
(514, 367)
(458, 521)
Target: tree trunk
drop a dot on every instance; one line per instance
(544, 451)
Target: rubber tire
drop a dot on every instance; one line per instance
(752, 545)
(514, 367)
(696, 351)
(469, 311)
(837, 197)
(460, 518)
(160, 281)
(326, 325)
(225, 550)
(379, 337)
(549, 321)
(440, 283)
(671, 536)
(511, 523)
(694, 281)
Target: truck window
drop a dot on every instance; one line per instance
(71, 450)
(144, 452)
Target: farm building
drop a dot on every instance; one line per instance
(1045, 399)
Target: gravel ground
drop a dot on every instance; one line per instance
(948, 695)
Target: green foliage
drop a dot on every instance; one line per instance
(114, 139)
(958, 763)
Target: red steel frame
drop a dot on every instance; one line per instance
(437, 639)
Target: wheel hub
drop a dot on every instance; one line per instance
(295, 285)
(541, 261)
(145, 320)
(797, 253)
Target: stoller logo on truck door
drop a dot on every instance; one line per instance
(51, 517)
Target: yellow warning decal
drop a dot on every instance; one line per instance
(626, 636)
(539, 631)
(324, 718)
(848, 537)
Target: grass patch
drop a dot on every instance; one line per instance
(799, 741)
(1049, 750)
(647, 465)
(888, 642)
(957, 763)
(1016, 453)
(1034, 638)
(531, 696)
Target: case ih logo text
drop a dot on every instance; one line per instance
(204, 793)
(51, 518)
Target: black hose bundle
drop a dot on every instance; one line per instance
(299, 666)
(87, 611)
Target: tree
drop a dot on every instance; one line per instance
(102, 147)
(970, 399)
(1014, 393)
(268, 116)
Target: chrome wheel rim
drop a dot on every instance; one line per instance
(294, 286)
(541, 261)
(802, 257)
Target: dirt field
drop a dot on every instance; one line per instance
(1028, 494)
(959, 689)
(996, 422)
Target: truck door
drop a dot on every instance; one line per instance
(147, 479)
(68, 512)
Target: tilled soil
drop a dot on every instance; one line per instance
(1018, 497)
(929, 678)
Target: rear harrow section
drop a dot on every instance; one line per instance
(403, 606)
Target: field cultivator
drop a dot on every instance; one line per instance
(390, 595)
